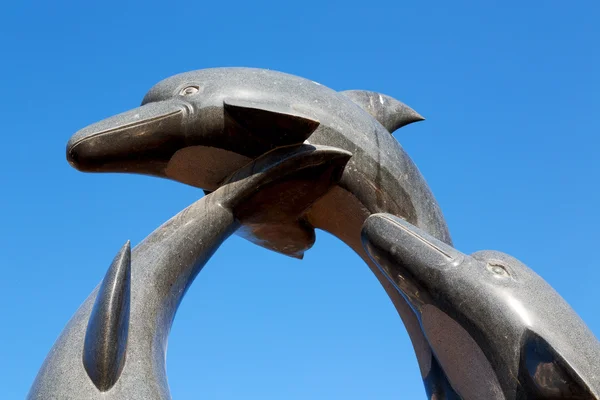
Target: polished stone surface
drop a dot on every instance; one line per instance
(279, 156)
(105, 342)
(163, 266)
(200, 127)
(497, 328)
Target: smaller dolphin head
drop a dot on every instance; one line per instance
(196, 128)
(488, 317)
(428, 270)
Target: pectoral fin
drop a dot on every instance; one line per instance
(270, 125)
(390, 113)
(291, 238)
(544, 374)
(283, 185)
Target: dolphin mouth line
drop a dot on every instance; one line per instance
(129, 125)
(419, 237)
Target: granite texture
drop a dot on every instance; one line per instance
(161, 269)
(200, 127)
(497, 328)
(281, 156)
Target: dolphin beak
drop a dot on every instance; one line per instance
(400, 248)
(141, 140)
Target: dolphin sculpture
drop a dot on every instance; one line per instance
(114, 347)
(201, 126)
(498, 330)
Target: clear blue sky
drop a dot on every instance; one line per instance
(510, 91)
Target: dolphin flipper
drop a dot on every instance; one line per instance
(106, 335)
(310, 172)
(436, 383)
(270, 125)
(547, 375)
(390, 113)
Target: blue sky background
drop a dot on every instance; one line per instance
(510, 91)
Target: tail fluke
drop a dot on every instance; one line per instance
(106, 336)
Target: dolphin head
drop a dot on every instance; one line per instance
(488, 317)
(141, 140)
(430, 271)
(195, 127)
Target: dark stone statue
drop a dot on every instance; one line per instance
(487, 317)
(279, 156)
(115, 345)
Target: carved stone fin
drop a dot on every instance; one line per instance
(545, 374)
(275, 191)
(106, 335)
(271, 125)
(390, 113)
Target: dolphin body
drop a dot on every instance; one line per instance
(200, 126)
(114, 347)
(497, 328)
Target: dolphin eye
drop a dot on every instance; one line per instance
(499, 270)
(189, 90)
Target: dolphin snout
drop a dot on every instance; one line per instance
(139, 140)
(396, 245)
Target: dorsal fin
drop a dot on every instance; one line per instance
(390, 113)
(106, 335)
